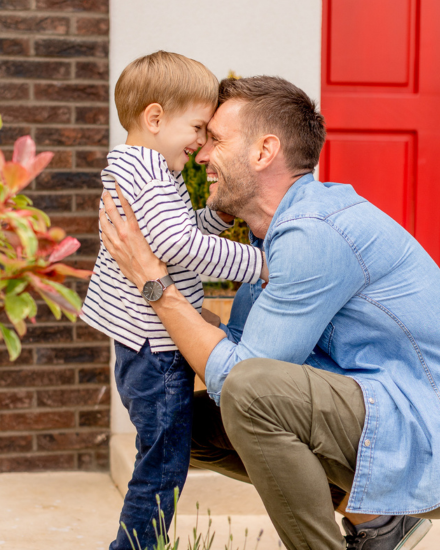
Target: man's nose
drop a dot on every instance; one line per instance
(202, 156)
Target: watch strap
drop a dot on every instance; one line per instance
(166, 281)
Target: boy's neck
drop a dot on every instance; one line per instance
(138, 138)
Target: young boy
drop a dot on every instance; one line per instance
(165, 102)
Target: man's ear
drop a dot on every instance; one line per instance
(267, 150)
(152, 117)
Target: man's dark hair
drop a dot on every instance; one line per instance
(275, 106)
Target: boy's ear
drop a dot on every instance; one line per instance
(152, 117)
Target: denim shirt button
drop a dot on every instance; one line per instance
(367, 443)
(371, 400)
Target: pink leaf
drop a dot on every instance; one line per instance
(40, 162)
(66, 247)
(2, 160)
(15, 175)
(24, 151)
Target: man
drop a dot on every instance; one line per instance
(328, 382)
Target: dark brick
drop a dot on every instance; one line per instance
(61, 159)
(71, 92)
(15, 4)
(36, 377)
(51, 203)
(44, 334)
(100, 6)
(44, 315)
(37, 463)
(84, 333)
(16, 444)
(71, 441)
(14, 46)
(88, 203)
(25, 358)
(71, 137)
(8, 135)
(36, 421)
(89, 246)
(55, 47)
(92, 115)
(87, 26)
(34, 69)
(102, 460)
(77, 224)
(97, 419)
(35, 115)
(94, 375)
(10, 90)
(73, 398)
(66, 355)
(86, 462)
(81, 289)
(91, 159)
(92, 70)
(49, 25)
(53, 181)
(16, 400)
(81, 263)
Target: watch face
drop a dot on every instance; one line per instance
(152, 291)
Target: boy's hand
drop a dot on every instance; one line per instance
(210, 317)
(227, 218)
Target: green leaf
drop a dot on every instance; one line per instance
(70, 316)
(16, 286)
(26, 235)
(12, 342)
(31, 304)
(22, 201)
(54, 308)
(68, 294)
(17, 308)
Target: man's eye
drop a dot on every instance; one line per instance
(198, 127)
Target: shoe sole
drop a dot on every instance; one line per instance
(415, 535)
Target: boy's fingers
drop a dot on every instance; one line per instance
(125, 206)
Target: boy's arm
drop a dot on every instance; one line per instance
(210, 223)
(164, 220)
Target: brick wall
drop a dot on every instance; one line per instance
(54, 400)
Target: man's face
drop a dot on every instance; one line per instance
(226, 155)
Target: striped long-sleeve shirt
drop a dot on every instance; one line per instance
(186, 240)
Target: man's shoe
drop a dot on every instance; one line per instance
(400, 533)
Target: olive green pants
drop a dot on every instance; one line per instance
(292, 431)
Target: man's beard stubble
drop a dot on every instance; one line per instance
(235, 189)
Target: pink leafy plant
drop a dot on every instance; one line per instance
(30, 250)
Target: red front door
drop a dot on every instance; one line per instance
(381, 101)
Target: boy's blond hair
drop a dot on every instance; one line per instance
(170, 79)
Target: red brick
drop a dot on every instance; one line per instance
(25, 358)
(92, 115)
(81, 289)
(52, 181)
(51, 203)
(73, 398)
(16, 444)
(44, 334)
(67, 355)
(34, 114)
(71, 92)
(102, 459)
(86, 462)
(72, 137)
(61, 159)
(8, 135)
(84, 333)
(71, 441)
(77, 224)
(15, 4)
(92, 25)
(94, 375)
(91, 159)
(36, 377)
(55, 47)
(99, 419)
(36, 421)
(37, 463)
(16, 399)
(88, 203)
(89, 246)
(81, 263)
(50, 25)
(10, 90)
(49, 70)
(92, 70)
(100, 6)
(14, 46)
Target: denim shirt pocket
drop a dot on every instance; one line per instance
(325, 342)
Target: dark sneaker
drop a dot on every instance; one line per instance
(400, 533)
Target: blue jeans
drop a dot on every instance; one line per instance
(157, 390)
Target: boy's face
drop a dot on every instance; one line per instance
(183, 133)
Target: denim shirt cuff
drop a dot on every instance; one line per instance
(218, 367)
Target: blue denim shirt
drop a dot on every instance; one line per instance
(352, 292)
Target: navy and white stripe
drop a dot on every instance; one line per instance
(188, 241)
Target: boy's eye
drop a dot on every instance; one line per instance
(198, 127)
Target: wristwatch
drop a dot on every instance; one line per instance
(153, 290)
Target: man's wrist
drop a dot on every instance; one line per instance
(149, 274)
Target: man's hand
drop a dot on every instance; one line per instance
(127, 245)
